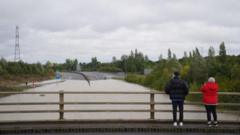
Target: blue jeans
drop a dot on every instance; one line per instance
(175, 105)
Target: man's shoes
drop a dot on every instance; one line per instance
(209, 123)
(174, 124)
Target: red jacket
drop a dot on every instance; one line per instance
(209, 91)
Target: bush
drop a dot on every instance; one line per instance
(135, 78)
(109, 69)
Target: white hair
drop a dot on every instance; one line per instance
(211, 79)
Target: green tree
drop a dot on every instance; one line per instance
(160, 57)
(211, 62)
(174, 56)
(1, 70)
(198, 68)
(124, 59)
(4, 66)
(222, 52)
(169, 54)
(114, 59)
(235, 72)
(211, 52)
(94, 64)
(69, 64)
(146, 58)
(185, 54)
(75, 63)
(190, 55)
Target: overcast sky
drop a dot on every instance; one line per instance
(58, 29)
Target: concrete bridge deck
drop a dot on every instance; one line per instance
(114, 126)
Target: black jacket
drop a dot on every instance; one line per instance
(177, 89)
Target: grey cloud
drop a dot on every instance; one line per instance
(59, 29)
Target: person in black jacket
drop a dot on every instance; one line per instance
(177, 90)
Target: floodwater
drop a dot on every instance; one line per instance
(96, 85)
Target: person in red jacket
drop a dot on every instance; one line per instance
(210, 99)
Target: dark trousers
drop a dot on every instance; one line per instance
(211, 109)
(175, 105)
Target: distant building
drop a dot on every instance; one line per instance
(78, 67)
(147, 71)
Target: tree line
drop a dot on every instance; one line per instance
(22, 68)
(135, 62)
(195, 69)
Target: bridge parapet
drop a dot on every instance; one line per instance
(152, 103)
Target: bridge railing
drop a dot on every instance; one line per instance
(151, 103)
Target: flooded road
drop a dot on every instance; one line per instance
(96, 85)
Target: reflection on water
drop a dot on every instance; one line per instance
(100, 85)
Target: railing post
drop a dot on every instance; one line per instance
(152, 108)
(61, 105)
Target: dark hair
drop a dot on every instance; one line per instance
(176, 73)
